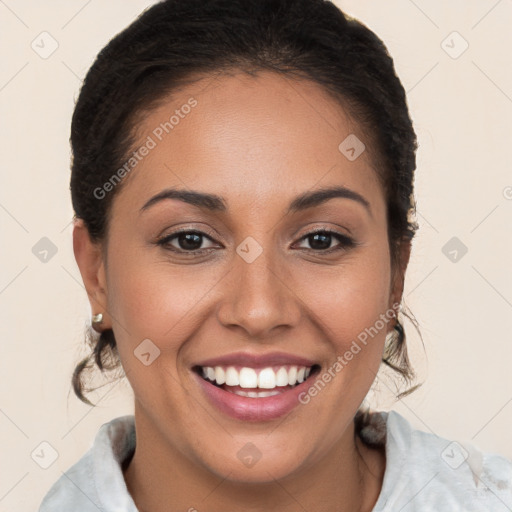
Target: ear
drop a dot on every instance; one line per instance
(398, 273)
(89, 258)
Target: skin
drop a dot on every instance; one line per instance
(258, 142)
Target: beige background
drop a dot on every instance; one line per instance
(462, 110)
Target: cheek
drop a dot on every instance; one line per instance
(150, 298)
(349, 300)
(153, 301)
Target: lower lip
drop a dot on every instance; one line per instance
(253, 409)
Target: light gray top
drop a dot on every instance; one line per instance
(424, 473)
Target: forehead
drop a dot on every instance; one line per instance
(264, 137)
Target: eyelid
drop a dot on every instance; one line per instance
(315, 227)
(165, 240)
(189, 229)
(344, 241)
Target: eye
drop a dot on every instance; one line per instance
(190, 241)
(186, 240)
(320, 240)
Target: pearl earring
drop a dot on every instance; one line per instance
(97, 319)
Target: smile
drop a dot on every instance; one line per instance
(255, 394)
(252, 378)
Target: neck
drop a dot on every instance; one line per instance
(161, 478)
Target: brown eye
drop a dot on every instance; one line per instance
(186, 241)
(321, 240)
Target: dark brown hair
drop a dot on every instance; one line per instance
(175, 41)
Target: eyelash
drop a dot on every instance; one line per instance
(345, 241)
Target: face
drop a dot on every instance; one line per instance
(247, 278)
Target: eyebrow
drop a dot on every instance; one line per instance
(215, 203)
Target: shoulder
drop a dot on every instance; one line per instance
(427, 472)
(72, 489)
(96, 481)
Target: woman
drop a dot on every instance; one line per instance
(242, 181)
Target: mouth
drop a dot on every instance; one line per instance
(257, 383)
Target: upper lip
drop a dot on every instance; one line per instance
(256, 360)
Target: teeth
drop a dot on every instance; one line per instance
(256, 394)
(282, 377)
(292, 375)
(265, 378)
(220, 375)
(248, 378)
(232, 378)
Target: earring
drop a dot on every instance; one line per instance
(97, 319)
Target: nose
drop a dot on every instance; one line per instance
(259, 297)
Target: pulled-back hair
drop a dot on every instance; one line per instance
(177, 42)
